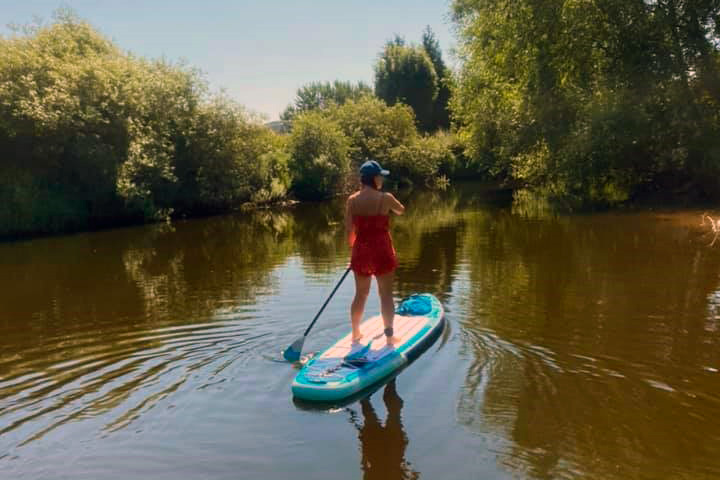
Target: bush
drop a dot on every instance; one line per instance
(227, 159)
(388, 135)
(27, 203)
(421, 160)
(605, 108)
(374, 129)
(104, 137)
(319, 152)
(368, 129)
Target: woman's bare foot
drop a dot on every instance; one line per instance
(356, 336)
(392, 341)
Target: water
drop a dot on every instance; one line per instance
(578, 346)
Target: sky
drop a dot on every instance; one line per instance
(259, 51)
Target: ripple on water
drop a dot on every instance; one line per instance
(48, 387)
(578, 403)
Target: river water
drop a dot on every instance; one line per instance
(578, 346)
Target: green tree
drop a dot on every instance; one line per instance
(441, 108)
(604, 99)
(374, 129)
(227, 159)
(319, 152)
(388, 134)
(319, 95)
(405, 74)
(93, 136)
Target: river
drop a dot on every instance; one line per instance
(578, 346)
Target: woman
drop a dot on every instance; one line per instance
(367, 223)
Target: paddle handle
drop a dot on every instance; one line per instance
(326, 302)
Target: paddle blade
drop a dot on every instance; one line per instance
(292, 353)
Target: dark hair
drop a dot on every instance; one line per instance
(368, 180)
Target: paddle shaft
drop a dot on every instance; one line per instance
(326, 302)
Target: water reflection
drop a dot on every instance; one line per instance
(119, 320)
(383, 445)
(591, 345)
(588, 344)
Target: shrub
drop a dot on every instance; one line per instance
(421, 160)
(90, 135)
(319, 152)
(227, 159)
(374, 129)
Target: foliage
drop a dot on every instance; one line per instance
(405, 74)
(418, 160)
(374, 128)
(602, 99)
(90, 135)
(362, 129)
(319, 152)
(319, 95)
(388, 134)
(226, 160)
(441, 107)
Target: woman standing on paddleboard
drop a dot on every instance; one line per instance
(367, 223)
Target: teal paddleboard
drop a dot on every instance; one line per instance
(347, 368)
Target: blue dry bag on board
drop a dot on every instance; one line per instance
(415, 305)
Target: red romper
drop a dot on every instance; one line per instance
(373, 252)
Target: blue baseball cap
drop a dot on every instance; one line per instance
(371, 167)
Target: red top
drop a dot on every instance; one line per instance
(373, 252)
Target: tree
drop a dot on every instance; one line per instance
(603, 99)
(374, 128)
(441, 109)
(319, 152)
(319, 95)
(405, 74)
(388, 134)
(93, 136)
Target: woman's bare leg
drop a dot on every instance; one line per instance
(362, 289)
(387, 304)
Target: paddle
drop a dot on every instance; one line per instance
(292, 353)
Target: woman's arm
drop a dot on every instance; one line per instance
(349, 227)
(395, 206)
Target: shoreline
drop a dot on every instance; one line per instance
(644, 203)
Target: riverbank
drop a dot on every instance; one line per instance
(92, 136)
(526, 202)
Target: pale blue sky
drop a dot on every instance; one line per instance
(259, 51)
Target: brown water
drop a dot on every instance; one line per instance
(579, 346)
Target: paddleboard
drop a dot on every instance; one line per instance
(347, 368)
